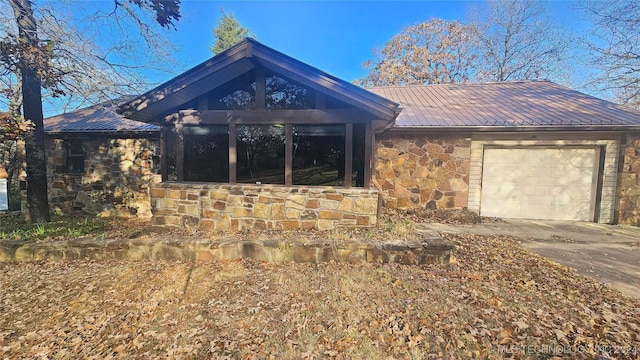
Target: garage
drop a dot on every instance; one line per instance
(528, 182)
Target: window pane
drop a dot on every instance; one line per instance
(237, 94)
(283, 94)
(74, 156)
(260, 154)
(75, 164)
(357, 178)
(172, 174)
(318, 155)
(206, 154)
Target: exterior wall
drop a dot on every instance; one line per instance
(416, 171)
(245, 207)
(610, 146)
(116, 179)
(628, 194)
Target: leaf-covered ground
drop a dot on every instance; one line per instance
(496, 300)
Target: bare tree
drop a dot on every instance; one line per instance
(38, 62)
(433, 52)
(615, 48)
(516, 40)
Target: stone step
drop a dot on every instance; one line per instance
(431, 250)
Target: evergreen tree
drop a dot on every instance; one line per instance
(227, 33)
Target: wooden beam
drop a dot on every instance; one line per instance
(179, 152)
(261, 92)
(232, 153)
(307, 116)
(288, 155)
(164, 163)
(348, 155)
(369, 154)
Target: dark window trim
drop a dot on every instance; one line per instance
(349, 143)
(69, 156)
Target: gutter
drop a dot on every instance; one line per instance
(507, 129)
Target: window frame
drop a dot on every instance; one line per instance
(69, 146)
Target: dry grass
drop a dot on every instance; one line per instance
(497, 297)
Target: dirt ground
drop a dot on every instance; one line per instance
(607, 253)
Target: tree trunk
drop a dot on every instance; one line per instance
(37, 198)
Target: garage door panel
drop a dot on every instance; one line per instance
(538, 183)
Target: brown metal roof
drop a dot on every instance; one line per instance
(101, 118)
(508, 105)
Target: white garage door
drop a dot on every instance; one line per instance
(539, 183)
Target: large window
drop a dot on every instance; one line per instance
(206, 155)
(74, 159)
(318, 155)
(260, 154)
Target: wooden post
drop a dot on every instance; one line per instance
(348, 155)
(369, 149)
(179, 152)
(164, 164)
(288, 154)
(232, 153)
(261, 98)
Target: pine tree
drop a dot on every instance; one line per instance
(227, 33)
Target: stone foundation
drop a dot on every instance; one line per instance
(628, 193)
(244, 207)
(416, 171)
(116, 178)
(433, 250)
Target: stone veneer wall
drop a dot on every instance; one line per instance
(628, 193)
(116, 178)
(423, 171)
(245, 207)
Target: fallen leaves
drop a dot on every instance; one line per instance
(497, 300)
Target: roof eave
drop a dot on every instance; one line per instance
(515, 128)
(377, 105)
(102, 132)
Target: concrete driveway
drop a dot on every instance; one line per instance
(607, 253)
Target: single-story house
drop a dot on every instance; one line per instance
(253, 138)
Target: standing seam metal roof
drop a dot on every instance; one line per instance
(505, 105)
(101, 118)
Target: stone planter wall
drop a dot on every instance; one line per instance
(628, 192)
(423, 171)
(116, 178)
(245, 207)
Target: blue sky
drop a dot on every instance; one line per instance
(335, 36)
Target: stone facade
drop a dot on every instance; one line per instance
(416, 171)
(244, 207)
(628, 193)
(116, 178)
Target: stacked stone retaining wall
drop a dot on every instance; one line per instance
(244, 207)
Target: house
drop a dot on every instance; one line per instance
(253, 138)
